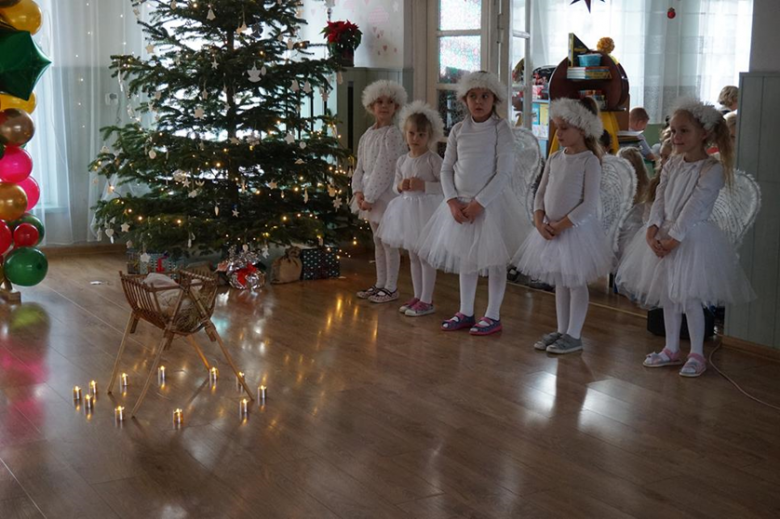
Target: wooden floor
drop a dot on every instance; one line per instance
(371, 414)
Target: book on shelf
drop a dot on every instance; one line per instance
(576, 48)
(588, 73)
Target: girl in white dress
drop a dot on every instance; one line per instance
(570, 248)
(372, 182)
(417, 177)
(682, 261)
(481, 223)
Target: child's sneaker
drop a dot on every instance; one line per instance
(383, 296)
(419, 309)
(565, 344)
(365, 294)
(547, 340)
(407, 305)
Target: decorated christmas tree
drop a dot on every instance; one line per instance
(223, 137)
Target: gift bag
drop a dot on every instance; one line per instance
(287, 268)
(320, 263)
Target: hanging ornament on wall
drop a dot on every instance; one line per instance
(587, 2)
(671, 13)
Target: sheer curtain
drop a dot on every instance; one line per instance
(701, 50)
(74, 102)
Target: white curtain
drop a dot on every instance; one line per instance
(73, 104)
(698, 52)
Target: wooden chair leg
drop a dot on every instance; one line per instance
(214, 336)
(132, 322)
(195, 345)
(163, 345)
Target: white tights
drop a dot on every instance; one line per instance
(571, 306)
(388, 262)
(673, 322)
(423, 278)
(496, 289)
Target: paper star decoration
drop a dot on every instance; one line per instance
(145, 258)
(199, 113)
(235, 213)
(337, 203)
(587, 2)
(290, 138)
(185, 182)
(272, 185)
(125, 227)
(254, 74)
(150, 48)
(214, 64)
(193, 193)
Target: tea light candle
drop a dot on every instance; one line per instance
(89, 401)
(243, 407)
(124, 379)
(161, 374)
(213, 375)
(93, 388)
(262, 393)
(239, 378)
(119, 414)
(76, 393)
(178, 416)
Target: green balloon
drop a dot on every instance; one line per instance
(28, 218)
(26, 266)
(21, 63)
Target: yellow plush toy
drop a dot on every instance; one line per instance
(607, 45)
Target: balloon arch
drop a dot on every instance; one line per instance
(21, 65)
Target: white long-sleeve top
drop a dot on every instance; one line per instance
(570, 186)
(479, 161)
(426, 167)
(686, 194)
(378, 151)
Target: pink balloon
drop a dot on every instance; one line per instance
(33, 191)
(16, 165)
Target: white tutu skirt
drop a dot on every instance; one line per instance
(703, 267)
(466, 248)
(632, 224)
(576, 257)
(405, 219)
(377, 211)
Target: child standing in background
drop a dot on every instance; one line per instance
(570, 248)
(417, 177)
(481, 223)
(682, 261)
(372, 182)
(637, 122)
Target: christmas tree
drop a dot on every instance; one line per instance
(223, 134)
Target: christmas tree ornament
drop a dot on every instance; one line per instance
(174, 5)
(199, 113)
(290, 43)
(211, 16)
(305, 196)
(193, 193)
(290, 138)
(125, 227)
(307, 87)
(216, 210)
(671, 13)
(145, 258)
(214, 64)
(152, 154)
(302, 145)
(294, 85)
(150, 49)
(235, 213)
(263, 71)
(339, 78)
(272, 185)
(254, 74)
(110, 234)
(337, 203)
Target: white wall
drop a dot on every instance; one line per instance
(382, 23)
(765, 46)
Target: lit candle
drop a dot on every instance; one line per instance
(124, 379)
(76, 393)
(178, 416)
(243, 407)
(213, 375)
(119, 414)
(239, 378)
(89, 401)
(93, 388)
(161, 374)
(262, 393)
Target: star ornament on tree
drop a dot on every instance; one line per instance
(587, 3)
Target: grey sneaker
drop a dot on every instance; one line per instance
(546, 340)
(565, 344)
(383, 296)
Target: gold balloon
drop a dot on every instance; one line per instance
(8, 3)
(16, 127)
(24, 16)
(13, 201)
(28, 106)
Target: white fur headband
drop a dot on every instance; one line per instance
(420, 107)
(574, 113)
(707, 115)
(385, 88)
(482, 79)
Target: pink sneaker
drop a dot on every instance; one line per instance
(419, 309)
(407, 305)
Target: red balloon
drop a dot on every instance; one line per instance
(33, 191)
(5, 237)
(26, 235)
(15, 165)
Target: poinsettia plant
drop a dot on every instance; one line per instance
(342, 36)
